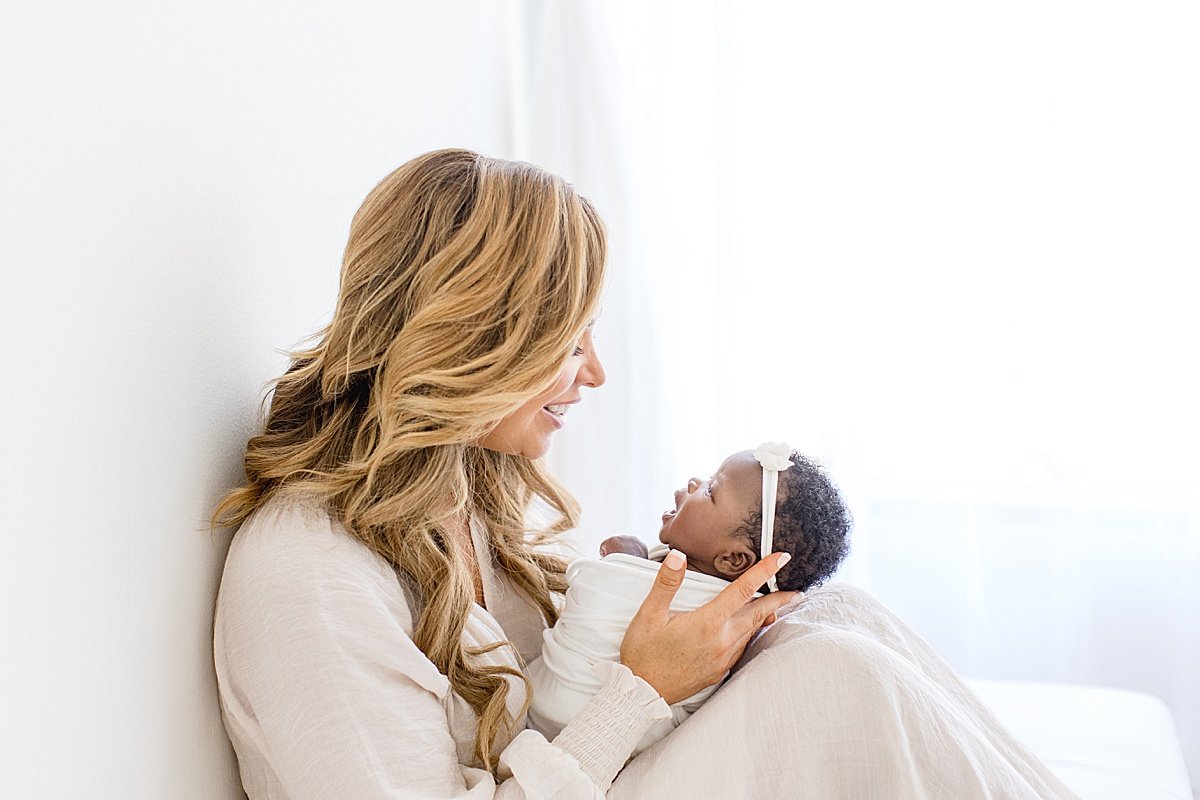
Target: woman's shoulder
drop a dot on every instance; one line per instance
(289, 531)
(299, 594)
(293, 551)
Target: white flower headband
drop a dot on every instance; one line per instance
(775, 457)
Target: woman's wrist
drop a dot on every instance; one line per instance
(605, 732)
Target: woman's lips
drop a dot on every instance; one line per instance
(557, 412)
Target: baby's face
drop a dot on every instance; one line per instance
(708, 511)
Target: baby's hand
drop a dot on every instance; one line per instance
(623, 544)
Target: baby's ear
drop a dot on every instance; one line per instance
(734, 560)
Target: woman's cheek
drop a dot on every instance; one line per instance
(563, 384)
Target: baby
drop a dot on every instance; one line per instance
(772, 496)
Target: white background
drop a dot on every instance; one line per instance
(177, 184)
(948, 249)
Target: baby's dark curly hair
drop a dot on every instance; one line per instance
(811, 522)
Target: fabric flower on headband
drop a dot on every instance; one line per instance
(775, 457)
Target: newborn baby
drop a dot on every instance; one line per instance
(719, 523)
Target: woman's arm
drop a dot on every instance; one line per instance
(325, 694)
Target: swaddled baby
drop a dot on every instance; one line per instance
(720, 524)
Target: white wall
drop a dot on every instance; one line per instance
(176, 183)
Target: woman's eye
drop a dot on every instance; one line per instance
(578, 351)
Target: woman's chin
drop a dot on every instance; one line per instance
(532, 447)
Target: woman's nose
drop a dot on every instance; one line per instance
(592, 372)
(694, 484)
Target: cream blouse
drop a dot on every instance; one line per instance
(324, 694)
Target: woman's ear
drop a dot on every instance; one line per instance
(735, 559)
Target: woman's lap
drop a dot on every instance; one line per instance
(839, 699)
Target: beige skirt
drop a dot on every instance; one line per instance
(840, 700)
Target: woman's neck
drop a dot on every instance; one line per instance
(458, 529)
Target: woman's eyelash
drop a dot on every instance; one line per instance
(578, 351)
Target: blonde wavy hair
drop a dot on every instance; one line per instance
(465, 285)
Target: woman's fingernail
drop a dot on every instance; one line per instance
(783, 559)
(675, 559)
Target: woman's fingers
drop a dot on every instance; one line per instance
(739, 647)
(749, 620)
(753, 615)
(666, 584)
(680, 654)
(734, 596)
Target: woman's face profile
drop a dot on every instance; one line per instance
(527, 431)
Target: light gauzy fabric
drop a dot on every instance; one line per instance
(841, 700)
(602, 597)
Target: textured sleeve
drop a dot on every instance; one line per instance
(601, 737)
(325, 694)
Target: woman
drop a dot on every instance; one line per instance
(383, 590)
(383, 594)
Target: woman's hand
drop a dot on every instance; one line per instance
(624, 544)
(680, 653)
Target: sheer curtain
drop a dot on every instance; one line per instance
(944, 248)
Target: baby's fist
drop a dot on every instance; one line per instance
(623, 544)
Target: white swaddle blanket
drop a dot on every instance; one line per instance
(602, 597)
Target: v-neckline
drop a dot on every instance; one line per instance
(483, 564)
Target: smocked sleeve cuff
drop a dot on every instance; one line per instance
(604, 733)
